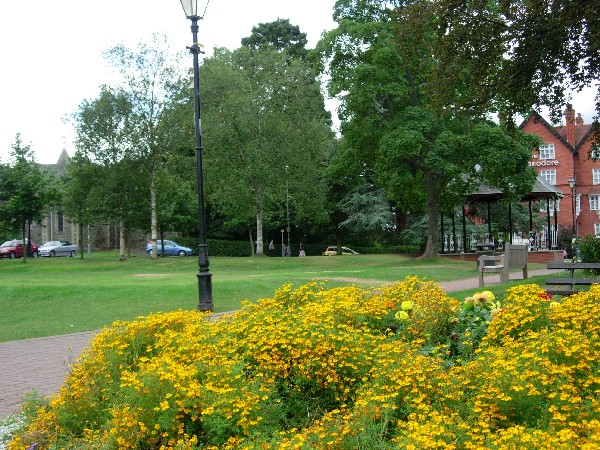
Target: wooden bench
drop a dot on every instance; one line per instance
(571, 281)
(514, 257)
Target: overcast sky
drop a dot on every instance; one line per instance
(52, 53)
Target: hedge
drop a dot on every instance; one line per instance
(220, 247)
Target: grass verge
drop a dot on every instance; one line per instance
(52, 296)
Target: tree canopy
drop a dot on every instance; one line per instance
(267, 128)
(279, 35)
(513, 55)
(380, 58)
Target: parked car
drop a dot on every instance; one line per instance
(58, 248)
(332, 250)
(14, 249)
(171, 249)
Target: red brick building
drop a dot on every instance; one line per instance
(566, 153)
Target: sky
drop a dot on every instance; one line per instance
(52, 54)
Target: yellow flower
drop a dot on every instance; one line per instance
(489, 295)
(407, 305)
(402, 316)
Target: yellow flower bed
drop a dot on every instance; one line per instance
(402, 366)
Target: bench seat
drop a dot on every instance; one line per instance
(514, 257)
(572, 280)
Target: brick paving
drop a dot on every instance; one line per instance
(41, 364)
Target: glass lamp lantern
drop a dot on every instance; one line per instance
(190, 7)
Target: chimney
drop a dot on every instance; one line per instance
(579, 119)
(570, 124)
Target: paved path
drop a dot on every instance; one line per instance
(43, 363)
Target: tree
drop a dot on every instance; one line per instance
(367, 209)
(279, 35)
(25, 191)
(266, 129)
(518, 54)
(379, 58)
(105, 137)
(151, 80)
(78, 196)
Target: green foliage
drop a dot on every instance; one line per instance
(589, 246)
(269, 139)
(565, 241)
(514, 55)
(280, 35)
(217, 247)
(26, 191)
(421, 156)
(368, 210)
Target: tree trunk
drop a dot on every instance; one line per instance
(432, 213)
(153, 219)
(121, 240)
(259, 232)
(80, 239)
(24, 237)
(252, 245)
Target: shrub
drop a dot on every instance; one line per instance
(339, 368)
(218, 247)
(589, 246)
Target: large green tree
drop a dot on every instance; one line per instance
(517, 54)
(78, 199)
(26, 191)
(152, 80)
(380, 58)
(105, 138)
(266, 132)
(279, 35)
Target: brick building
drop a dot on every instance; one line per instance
(566, 154)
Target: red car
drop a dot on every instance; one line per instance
(14, 249)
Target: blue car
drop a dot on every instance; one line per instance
(171, 249)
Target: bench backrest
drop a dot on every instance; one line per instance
(515, 255)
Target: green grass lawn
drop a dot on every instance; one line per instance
(51, 296)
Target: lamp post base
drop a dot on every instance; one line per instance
(205, 302)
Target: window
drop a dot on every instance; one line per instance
(595, 152)
(545, 203)
(594, 202)
(549, 176)
(61, 222)
(596, 176)
(577, 204)
(597, 229)
(547, 151)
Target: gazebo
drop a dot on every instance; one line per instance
(541, 190)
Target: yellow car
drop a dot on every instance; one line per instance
(332, 250)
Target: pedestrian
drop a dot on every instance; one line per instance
(302, 252)
(271, 248)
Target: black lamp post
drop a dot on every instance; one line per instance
(205, 302)
(572, 186)
(287, 208)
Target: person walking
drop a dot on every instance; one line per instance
(302, 252)
(271, 248)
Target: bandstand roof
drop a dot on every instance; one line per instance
(540, 190)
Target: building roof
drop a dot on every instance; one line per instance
(61, 165)
(582, 131)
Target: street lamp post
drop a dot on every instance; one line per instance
(205, 301)
(287, 207)
(572, 186)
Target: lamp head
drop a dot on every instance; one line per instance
(190, 7)
(571, 182)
